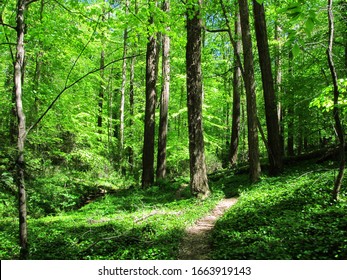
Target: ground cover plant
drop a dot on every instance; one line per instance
(287, 217)
(125, 224)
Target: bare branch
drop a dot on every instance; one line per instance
(216, 30)
(232, 40)
(84, 48)
(30, 2)
(8, 43)
(66, 87)
(68, 10)
(7, 25)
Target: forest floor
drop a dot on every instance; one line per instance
(289, 217)
(196, 244)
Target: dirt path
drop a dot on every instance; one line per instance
(195, 244)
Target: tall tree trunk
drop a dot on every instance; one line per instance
(149, 131)
(253, 142)
(272, 124)
(278, 86)
(132, 101)
(131, 108)
(20, 164)
(343, 7)
(164, 103)
(198, 174)
(122, 91)
(336, 111)
(235, 130)
(101, 91)
(290, 111)
(13, 129)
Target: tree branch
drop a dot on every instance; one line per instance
(84, 48)
(8, 43)
(5, 24)
(30, 2)
(216, 30)
(70, 11)
(233, 42)
(66, 87)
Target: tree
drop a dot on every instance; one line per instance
(198, 175)
(122, 90)
(20, 163)
(272, 122)
(336, 112)
(235, 130)
(253, 143)
(290, 110)
(149, 131)
(164, 103)
(101, 90)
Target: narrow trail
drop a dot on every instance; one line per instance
(195, 244)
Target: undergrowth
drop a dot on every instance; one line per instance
(286, 217)
(125, 224)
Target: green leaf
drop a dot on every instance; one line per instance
(309, 25)
(296, 50)
(260, 1)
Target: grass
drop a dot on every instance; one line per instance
(286, 217)
(127, 224)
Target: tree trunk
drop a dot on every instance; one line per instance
(278, 87)
(101, 91)
(235, 130)
(132, 101)
(122, 91)
(131, 108)
(272, 124)
(336, 111)
(20, 164)
(253, 142)
(290, 115)
(198, 175)
(149, 131)
(164, 103)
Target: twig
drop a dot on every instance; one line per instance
(155, 212)
(114, 237)
(82, 51)
(147, 216)
(71, 85)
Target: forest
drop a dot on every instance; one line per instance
(125, 123)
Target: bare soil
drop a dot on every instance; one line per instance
(195, 244)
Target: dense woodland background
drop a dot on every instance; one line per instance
(110, 99)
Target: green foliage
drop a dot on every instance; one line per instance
(325, 101)
(285, 218)
(70, 159)
(125, 224)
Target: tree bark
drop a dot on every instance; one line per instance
(235, 130)
(20, 164)
(131, 108)
(198, 174)
(253, 142)
(290, 111)
(101, 91)
(149, 131)
(272, 123)
(164, 103)
(278, 87)
(122, 91)
(336, 112)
